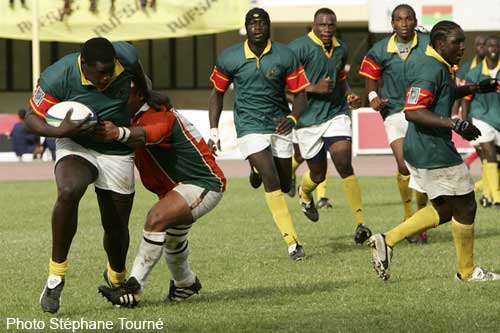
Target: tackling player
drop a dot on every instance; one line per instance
(175, 163)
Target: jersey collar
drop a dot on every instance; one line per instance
(118, 70)
(316, 40)
(431, 52)
(392, 48)
(145, 107)
(250, 55)
(484, 70)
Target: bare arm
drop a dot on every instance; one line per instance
(353, 100)
(67, 128)
(323, 86)
(465, 108)
(106, 131)
(215, 104)
(427, 118)
(376, 103)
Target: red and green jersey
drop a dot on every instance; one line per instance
(384, 62)
(65, 81)
(320, 63)
(175, 152)
(485, 107)
(259, 84)
(432, 89)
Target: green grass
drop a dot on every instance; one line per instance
(249, 282)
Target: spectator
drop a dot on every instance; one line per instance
(23, 142)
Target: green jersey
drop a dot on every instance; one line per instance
(485, 107)
(432, 89)
(385, 61)
(259, 84)
(65, 81)
(321, 63)
(464, 69)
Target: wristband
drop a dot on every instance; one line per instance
(214, 134)
(348, 97)
(292, 118)
(123, 134)
(372, 95)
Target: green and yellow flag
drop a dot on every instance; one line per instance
(128, 20)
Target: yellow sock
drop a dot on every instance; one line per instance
(406, 193)
(352, 193)
(422, 220)
(321, 189)
(421, 199)
(478, 186)
(463, 236)
(491, 172)
(295, 165)
(307, 187)
(484, 178)
(279, 209)
(56, 268)
(116, 278)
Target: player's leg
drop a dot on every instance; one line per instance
(323, 201)
(310, 180)
(490, 170)
(340, 149)
(73, 175)
(297, 160)
(254, 177)
(115, 194)
(403, 177)
(264, 162)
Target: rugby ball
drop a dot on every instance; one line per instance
(55, 115)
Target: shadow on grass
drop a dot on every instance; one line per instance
(257, 293)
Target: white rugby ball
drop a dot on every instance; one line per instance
(55, 115)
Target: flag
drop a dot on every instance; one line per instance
(432, 14)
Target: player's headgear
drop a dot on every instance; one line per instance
(257, 13)
(98, 49)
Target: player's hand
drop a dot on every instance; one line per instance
(324, 86)
(466, 130)
(214, 141)
(378, 103)
(70, 128)
(106, 131)
(354, 101)
(285, 126)
(488, 85)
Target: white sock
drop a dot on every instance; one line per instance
(176, 255)
(147, 256)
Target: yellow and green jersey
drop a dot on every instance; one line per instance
(65, 81)
(432, 89)
(321, 63)
(259, 84)
(464, 69)
(386, 61)
(485, 107)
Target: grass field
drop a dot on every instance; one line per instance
(249, 282)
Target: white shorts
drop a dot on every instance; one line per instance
(310, 138)
(281, 145)
(115, 172)
(488, 133)
(395, 126)
(452, 181)
(199, 199)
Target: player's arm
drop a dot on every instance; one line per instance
(220, 81)
(465, 108)
(416, 110)
(372, 72)
(39, 104)
(353, 100)
(482, 87)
